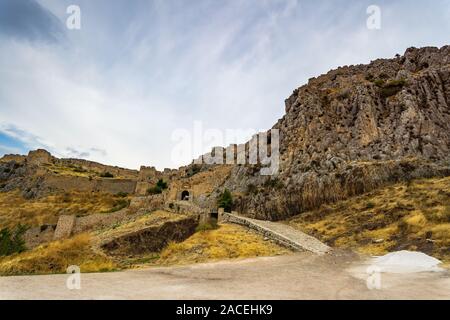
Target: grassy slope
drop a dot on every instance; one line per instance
(411, 216)
(226, 242)
(55, 257)
(80, 171)
(14, 209)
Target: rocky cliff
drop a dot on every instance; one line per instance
(354, 129)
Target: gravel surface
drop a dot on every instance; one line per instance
(338, 275)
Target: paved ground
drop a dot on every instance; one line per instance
(282, 233)
(299, 276)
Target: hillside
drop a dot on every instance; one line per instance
(354, 129)
(40, 174)
(406, 216)
(364, 164)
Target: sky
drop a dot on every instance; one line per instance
(133, 82)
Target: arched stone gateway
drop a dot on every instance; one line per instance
(185, 195)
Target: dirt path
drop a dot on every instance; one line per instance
(281, 233)
(299, 276)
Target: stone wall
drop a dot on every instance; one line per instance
(147, 203)
(282, 241)
(185, 207)
(152, 238)
(118, 172)
(74, 183)
(64, 227)
(100, 220)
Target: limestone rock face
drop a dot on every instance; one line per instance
(353, 129)
(39, 157)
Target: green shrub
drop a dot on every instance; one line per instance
(391, 88)
(379, 83)
(119, 205)
(154, 190)
(160, 186)
(252, 189)
(193, 170)
(370, 205)
(79, 169)
(225, 200)
(396, 83)
(107, 175)
(12, 241)
(122, 195)
(273, 184)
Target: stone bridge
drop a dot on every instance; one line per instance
(280, 233)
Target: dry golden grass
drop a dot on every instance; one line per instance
(70, 171)
(83, 171)
(15, 209)
(55, 257)
(226, 242)
(153, 218)
(412, 216)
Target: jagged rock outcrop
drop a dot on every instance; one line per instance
(354, 129)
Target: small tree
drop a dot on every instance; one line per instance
(162, 184)
(106, 175)
(12, 242)
(158, 188)
(225, 200)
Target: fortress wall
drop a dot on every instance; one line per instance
(99, 220)
(73, 183)
(149, 203)
(64, 227)
(98, 167)
(142, 187)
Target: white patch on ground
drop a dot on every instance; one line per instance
(406, 262)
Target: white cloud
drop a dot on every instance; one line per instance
(134, 74)
(9, 150)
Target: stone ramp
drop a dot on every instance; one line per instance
(281, 233)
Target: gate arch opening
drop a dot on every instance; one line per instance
(185, 195)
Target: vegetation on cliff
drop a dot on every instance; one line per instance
(405, 216)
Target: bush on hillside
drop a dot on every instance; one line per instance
(160, 186)
(107, 175)
(12, 241)
(225, 200)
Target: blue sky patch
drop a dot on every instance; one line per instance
(10, 145)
